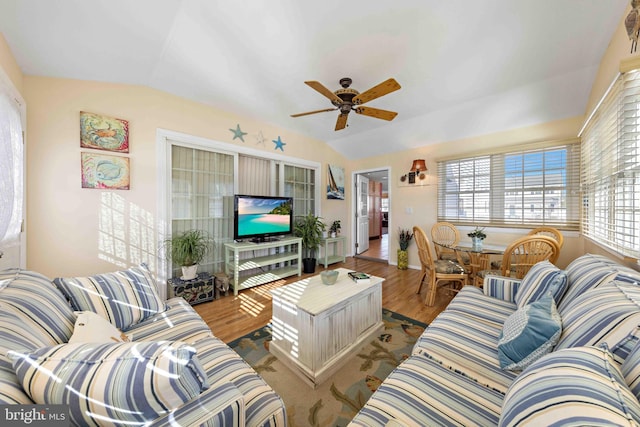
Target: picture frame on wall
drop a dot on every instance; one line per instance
(335, 182)
(104, 171)
(104, 133)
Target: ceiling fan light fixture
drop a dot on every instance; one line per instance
(346, 98)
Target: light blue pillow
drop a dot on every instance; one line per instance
(529, 333)
(572, 387)
(541, 279)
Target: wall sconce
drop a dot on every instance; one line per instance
(418, 169)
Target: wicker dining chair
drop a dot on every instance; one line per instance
(554, 233)
(446, 236)
(437, 271)
(521, 255)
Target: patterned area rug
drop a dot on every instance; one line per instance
(336, 401)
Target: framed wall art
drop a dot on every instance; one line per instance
(335, 182)
(104, 133)
(104, 171)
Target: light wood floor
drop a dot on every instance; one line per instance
(378, 248)
(231, 317)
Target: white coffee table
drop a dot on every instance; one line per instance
(318, 327)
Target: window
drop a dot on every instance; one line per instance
(202, 198)
(526, 187)
(11, 171)
(198, 177)
(611, 168)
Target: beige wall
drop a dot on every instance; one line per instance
(9, 65)
(65, 221)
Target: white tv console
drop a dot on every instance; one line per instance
(279, 260)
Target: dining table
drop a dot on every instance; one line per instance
(479, 258)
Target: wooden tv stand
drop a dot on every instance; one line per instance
(278, 262)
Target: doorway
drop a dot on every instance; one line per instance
(371, 214)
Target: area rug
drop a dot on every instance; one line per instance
(336, 401)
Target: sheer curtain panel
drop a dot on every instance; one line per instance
(11, 172)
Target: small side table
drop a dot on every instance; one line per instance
(337, 255)
(193, 291)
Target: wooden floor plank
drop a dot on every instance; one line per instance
(231, 317)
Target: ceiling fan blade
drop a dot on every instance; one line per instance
(377, 113)
(323, 90)
(313, 112)
(377, 91)
(341, 123)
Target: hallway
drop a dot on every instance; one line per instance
(378, 249)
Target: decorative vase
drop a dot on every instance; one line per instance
(403, 259)
(476, 244)
(189, 272)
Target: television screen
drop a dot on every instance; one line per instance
(260, 217)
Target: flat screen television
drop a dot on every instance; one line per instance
(259, 218)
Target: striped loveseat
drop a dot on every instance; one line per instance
(555, 348)
(117, 354)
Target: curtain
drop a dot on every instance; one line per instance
(11, 172)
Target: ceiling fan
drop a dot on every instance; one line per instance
(347, 99)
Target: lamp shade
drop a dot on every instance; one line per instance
(418, 166)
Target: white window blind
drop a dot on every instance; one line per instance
(611, 169)
(529, 187)
(202, 199)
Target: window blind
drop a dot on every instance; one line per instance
(523, 187)
(610, 164)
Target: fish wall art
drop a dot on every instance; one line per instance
(103, 171)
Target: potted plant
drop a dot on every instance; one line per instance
(335, 228)
(187, 250)
(404, 239)
(309, 228)
(477, 236)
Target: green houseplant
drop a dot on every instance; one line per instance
(477, 236)
(477, 233)
(309, 228)
(404, 239)
(187, 250)
(335, 228)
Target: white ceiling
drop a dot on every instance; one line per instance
(466, 67)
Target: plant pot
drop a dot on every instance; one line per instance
(403, 259)
(476, 244)
(325, 234)
(189, 272)
(333, 234)
(308, 265)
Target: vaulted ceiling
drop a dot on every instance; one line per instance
(466, 67)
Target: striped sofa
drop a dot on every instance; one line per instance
(172, 370)
(589, 374)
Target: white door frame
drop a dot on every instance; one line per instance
(354, 202)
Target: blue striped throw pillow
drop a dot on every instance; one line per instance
(124, 298)
(578, 387)
(541, 279)
(112, 384)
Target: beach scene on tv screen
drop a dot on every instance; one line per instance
(263, 216)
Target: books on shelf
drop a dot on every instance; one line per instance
(359, 277)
